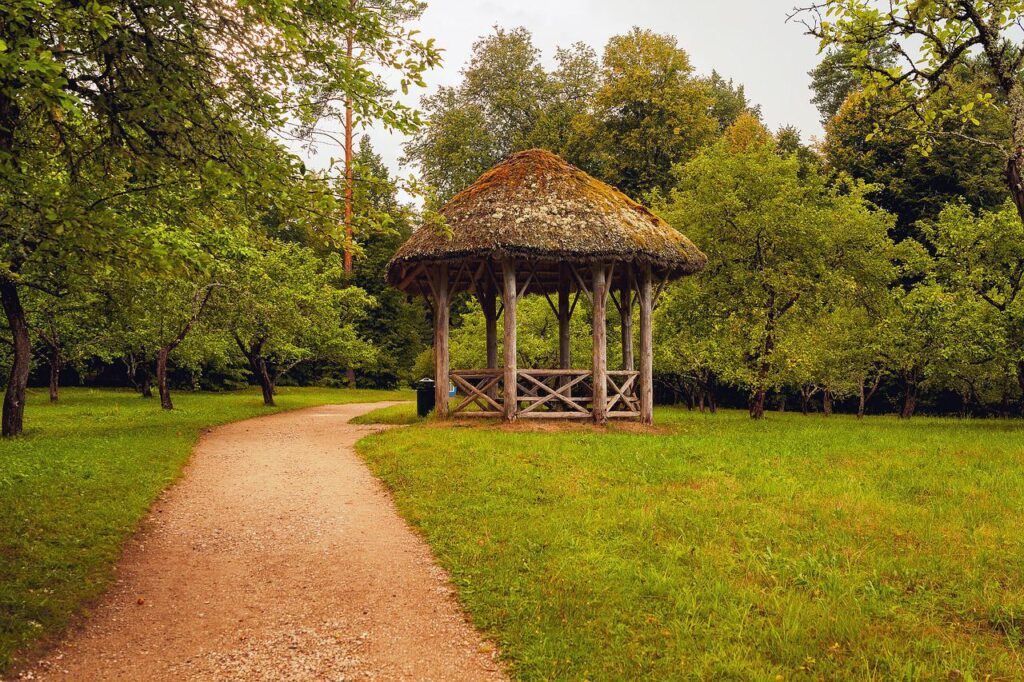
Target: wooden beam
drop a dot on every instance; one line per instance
(626, 312)
(441, 312)
(508, 295)
(600, 349)
(646, 347)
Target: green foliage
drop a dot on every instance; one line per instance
(782, 245)
(626, 120)
(651, 112)
(283, 304)
(398, 329)
(912, 185)
(722, 548)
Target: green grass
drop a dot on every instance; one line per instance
(394, 415)
(74, 488)
(721, 548)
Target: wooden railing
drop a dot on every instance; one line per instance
(544, 393)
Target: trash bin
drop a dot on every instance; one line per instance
(424, 397)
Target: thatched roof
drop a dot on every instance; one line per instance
(538, 208)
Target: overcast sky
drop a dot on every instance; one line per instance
(746, 40)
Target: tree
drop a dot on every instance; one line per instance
(282, 305)
(71, 328)
(728, 101)
(488, 116)
(399, 328)
(651, 112)
(835, 77)
(932, 41)
(981, 254)
(626, 120)
(97, 98)
(911, 184)
(779, 244)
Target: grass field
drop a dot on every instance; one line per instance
(720, 548)
(75, 487)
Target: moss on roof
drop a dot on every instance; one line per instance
(537, 205)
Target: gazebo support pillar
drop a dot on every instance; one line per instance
(442, 299)
(646, 347)
(564, 285)
(509, 298)
(626, 312)
(600, 358)
(489, 305)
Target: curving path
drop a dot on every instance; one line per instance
(277, 556)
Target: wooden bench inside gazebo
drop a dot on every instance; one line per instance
(535, 224)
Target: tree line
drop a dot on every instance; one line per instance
(884, 260)
(154, 225)
(149, 211)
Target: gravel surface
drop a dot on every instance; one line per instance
(278, 556)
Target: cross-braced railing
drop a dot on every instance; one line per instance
(480, 388)
(540, 393)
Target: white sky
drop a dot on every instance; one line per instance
(746, 40)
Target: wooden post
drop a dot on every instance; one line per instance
(441, 312)
(646, 347)
(600, 359)
(508, 297)
(488, 302)
(564, 285)
(626, 301)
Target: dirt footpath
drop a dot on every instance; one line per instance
(278, 556)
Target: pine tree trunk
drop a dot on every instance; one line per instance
(161, 380)
(17, 382)
(54, 375)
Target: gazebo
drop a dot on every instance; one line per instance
(535, 224)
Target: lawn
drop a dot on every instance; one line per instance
(75, 487)
(721, 548)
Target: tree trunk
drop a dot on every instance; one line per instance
(258, 365)
(909, 395)
(757, 404)
(147, 383)
(760, 392)
(54, 375)
(266, 383)
(826, 402)
(161, 379)
(861, 399)
(17, 382)
(1020, 381)
(350, 377)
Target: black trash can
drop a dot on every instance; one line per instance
(425, 399)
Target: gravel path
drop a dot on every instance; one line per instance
(278, 556)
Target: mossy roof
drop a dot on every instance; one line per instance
(537, 206)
